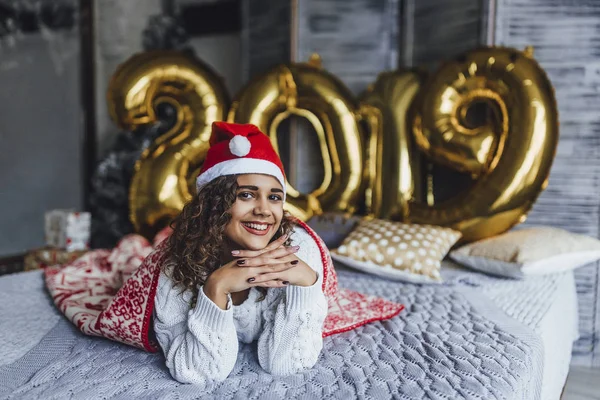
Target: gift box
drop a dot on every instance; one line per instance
(41, 258)
(68, 229)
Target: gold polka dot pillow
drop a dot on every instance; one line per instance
(407, 252)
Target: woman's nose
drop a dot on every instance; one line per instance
(262, 207)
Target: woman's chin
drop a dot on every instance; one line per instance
(255, 248)
(256, 243)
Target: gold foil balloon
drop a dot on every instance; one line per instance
(510, 154)
(392, 162)
(164, 177)
(306, 90)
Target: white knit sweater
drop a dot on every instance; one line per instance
(201, 344)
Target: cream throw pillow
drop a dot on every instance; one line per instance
(531, 251)
(407, 252)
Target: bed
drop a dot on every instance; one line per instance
(475, 337)
(548, 306)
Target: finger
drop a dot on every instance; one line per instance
(282, 251)
(265, 274)
(256, 272)
(273, 284)
(260, 279)
(284, 266)
(265, 261)
(254, 253)
(277, 256)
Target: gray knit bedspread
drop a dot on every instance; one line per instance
(451, 342)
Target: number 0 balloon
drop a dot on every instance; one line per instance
(306, 90)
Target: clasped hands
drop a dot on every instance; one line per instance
(272, 267)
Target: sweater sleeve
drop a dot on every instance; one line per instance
(199, 344)
(292, 336)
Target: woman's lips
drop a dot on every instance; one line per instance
(256, 231)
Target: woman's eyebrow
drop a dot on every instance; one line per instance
(248, 187)
(255, 188)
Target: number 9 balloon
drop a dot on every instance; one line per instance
(510, 156)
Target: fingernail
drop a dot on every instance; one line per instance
(285, 282)
(294, 262)
(295, 248)
(235, 252)
(250, 280)
(241, 262)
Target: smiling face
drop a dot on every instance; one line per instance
(257, 212)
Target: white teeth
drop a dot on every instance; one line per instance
(258, 227)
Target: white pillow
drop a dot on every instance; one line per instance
(531, 251)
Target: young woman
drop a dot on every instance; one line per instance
(239, 270)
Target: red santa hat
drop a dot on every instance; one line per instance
(239, 149)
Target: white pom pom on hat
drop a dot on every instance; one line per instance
(239, 146)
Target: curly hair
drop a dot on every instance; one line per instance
(195, 247)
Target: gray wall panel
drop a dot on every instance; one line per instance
(266, 35)
(441, 29)
(40, 136)
(356, 39)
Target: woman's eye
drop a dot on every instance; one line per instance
(275, 197)
(245, 195)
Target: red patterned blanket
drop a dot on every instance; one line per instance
(110, 293)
